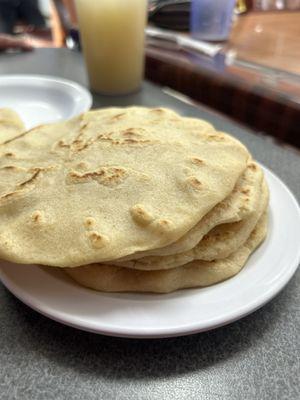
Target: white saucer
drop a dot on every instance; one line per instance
(40, 99)
(268, 270)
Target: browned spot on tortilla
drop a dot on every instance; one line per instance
(136, 141)
(97, 241)
(83, 127)
(245, 191)
(37, 216)
(194, 182)
(19, 189)
(141, 215)
(197, 161)
(14, 138)
(216, 137)
(252, 166)
(89, 222)
(83, 165)
(85, 176)
(12, 168)
(77, 141)
(62, 143)
(132, 137)
(43, 169)
(22, 134)
(31, 179)
(118, 116)
(8, 195)
(130, 132)
(107, 176)
(164, 222)
(12, 155)
(157, 110)
(79, 145)
(162, 226)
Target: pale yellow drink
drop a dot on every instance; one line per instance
(112, 36)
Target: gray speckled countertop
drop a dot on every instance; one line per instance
(254, 358)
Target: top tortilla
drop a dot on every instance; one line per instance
(111, 183)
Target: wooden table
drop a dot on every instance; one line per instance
(260, 88)
(271, 39)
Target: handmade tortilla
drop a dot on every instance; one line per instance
(111, 183)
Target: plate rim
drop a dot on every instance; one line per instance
(37, 79)
(182, 330)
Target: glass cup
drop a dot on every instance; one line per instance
(211, 19)
(112, 38)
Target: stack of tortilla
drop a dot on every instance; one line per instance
(131, 199)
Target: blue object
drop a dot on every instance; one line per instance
(211, 19)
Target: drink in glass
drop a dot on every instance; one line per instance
(112, 37)
(211, 19)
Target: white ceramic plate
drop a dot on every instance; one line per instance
(268, 270)
(40, 99)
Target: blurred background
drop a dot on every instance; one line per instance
(53, 23)
(249, 69)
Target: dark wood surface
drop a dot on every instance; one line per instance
(259, 89)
